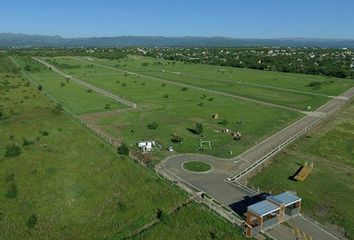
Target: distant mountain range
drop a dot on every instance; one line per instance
(27, 40)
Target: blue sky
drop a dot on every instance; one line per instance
(232, 18)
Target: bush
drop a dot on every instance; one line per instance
(159, 214)
(184, 89)
(62, 84)
(11, 190)
(39, 87)
(107, 106)
(123, 149)
(12, 150)
(198, 128)
(124, 84)
(166, 96)
(224, 122)
(32, 221)
(89, 90)
(163, 84)
(152, 125)
(27, 142)
(177, 139)
(315, 85)
(44, 133)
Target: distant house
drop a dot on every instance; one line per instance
(146, 146)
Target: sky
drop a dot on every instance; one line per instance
(228, 18)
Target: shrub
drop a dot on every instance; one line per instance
(12, 150)
(198, 128)
(177, 139)
(166, 96)
(89, 90)
(224, 122)
(107, 106)
(11, 190)
(10, 177)
(27, 142)
(123, 149)
(145, 64)
(314, 85)
(62, 84)
(32, 221)
(200, 104)
(163, 84)
(44, 133)
(184, 89)
(211, 99)
(124, 84)
(159, 214)
(39, 87)
(152, 125)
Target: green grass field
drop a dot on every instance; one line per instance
(328, 192)
(187, 224)
(68, 93)
(59, 181)
(197, 166)
(177, 110)
(286, 89)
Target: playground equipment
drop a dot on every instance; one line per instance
(205, 145)
(304, 172)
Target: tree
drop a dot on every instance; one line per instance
(198, 128)
(32, 221)
(39, 87)
(123, 149)
(152, 125)
(12, 150)
(177, 139)
(11, 191)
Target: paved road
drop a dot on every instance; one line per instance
(87, 85)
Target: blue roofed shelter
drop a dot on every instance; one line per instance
(271, 211)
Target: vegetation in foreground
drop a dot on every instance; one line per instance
(59, 181)
(328, 192)
(191, 222)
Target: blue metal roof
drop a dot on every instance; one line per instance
(287, 198)
(263, 208)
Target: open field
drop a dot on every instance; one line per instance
(187, 224)
(62, 182)
(290, 90)
(176, 110)
(328, 192)
(71, 95)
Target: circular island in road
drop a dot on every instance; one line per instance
(196, 166)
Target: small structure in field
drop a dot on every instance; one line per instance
(237, 136)
(170, 149)
(216, 116)
(146, 146)
(304, 172)
(204, 145)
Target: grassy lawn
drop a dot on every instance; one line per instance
(196, 166)
(292, 90)
(328, 192)
(68, 93)
(72, 182)
(192, 222)
(176, 112)
(59, 181)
